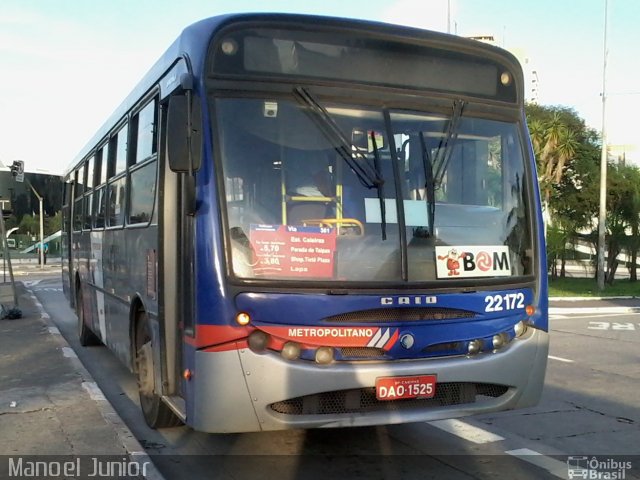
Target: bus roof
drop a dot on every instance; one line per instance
(193, 42)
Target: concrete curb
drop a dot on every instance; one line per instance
(583, 299)
(588, 310)
(592, 310)
(131, 445)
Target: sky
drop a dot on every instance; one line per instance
(66, 65)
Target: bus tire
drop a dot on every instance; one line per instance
(156, 413)
(86, 337)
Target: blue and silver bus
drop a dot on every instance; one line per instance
(297, 222)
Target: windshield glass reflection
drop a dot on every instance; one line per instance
(339, 193)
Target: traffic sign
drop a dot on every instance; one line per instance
(17, 170)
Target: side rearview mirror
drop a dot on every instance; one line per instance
(183, 134)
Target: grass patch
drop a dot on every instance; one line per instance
(588, 287)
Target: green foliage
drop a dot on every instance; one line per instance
(587, 287)
(568, 160)
(53, 224)
(623, 214)
(556, 244)
(30, 224)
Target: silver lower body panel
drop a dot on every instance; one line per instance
(242, 391)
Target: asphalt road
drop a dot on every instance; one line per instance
(589, 409)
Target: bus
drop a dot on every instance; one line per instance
(299, 221)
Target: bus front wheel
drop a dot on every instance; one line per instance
(156, 413)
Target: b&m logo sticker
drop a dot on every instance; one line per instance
(472, 261)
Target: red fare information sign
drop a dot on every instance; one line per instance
(293, 251)
(397, 388)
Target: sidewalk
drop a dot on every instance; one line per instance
(586, 305)
(30, 268)
(49, 404)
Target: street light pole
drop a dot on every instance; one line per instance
(603, 163)
(41, 249)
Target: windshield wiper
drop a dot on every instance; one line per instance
(429, 185)
(443, 155)
(369, 177)
(341, 144)
(383, 208)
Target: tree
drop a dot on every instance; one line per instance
(30, 224)
(555, 136)
(567, 157)
(53, 224)
(623, 216)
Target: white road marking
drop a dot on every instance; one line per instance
(609, 315)
(94, 391)
(68, 352)
(466, 431)
(551, 465)
(628, 326)
(54, 331)
(565, 360)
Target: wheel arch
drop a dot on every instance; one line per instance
(137, 310)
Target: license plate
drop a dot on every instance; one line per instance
(398, 388)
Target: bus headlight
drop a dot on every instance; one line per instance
(291, 351)
(520, 328)
(324, 355)
(499, 340)
(474, 346)
(258, 341)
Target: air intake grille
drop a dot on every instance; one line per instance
(364, 400)
(362, 352)
(400, 315)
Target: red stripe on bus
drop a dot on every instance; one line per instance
(211, 335)
(228, 347)
(392, 341)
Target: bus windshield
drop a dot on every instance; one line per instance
(339, 192)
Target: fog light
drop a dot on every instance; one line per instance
(291, 351)
(243, 318)
(324, 355)
(520, 328)
(499, 341)
(474, 346)
(258, 341)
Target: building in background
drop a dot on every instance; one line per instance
(622, 154)
(18, 201)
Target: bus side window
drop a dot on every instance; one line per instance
(78, 205)
(100, 206)
(142, 185)
(116, 201)
(117, 187)
(100, 200)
